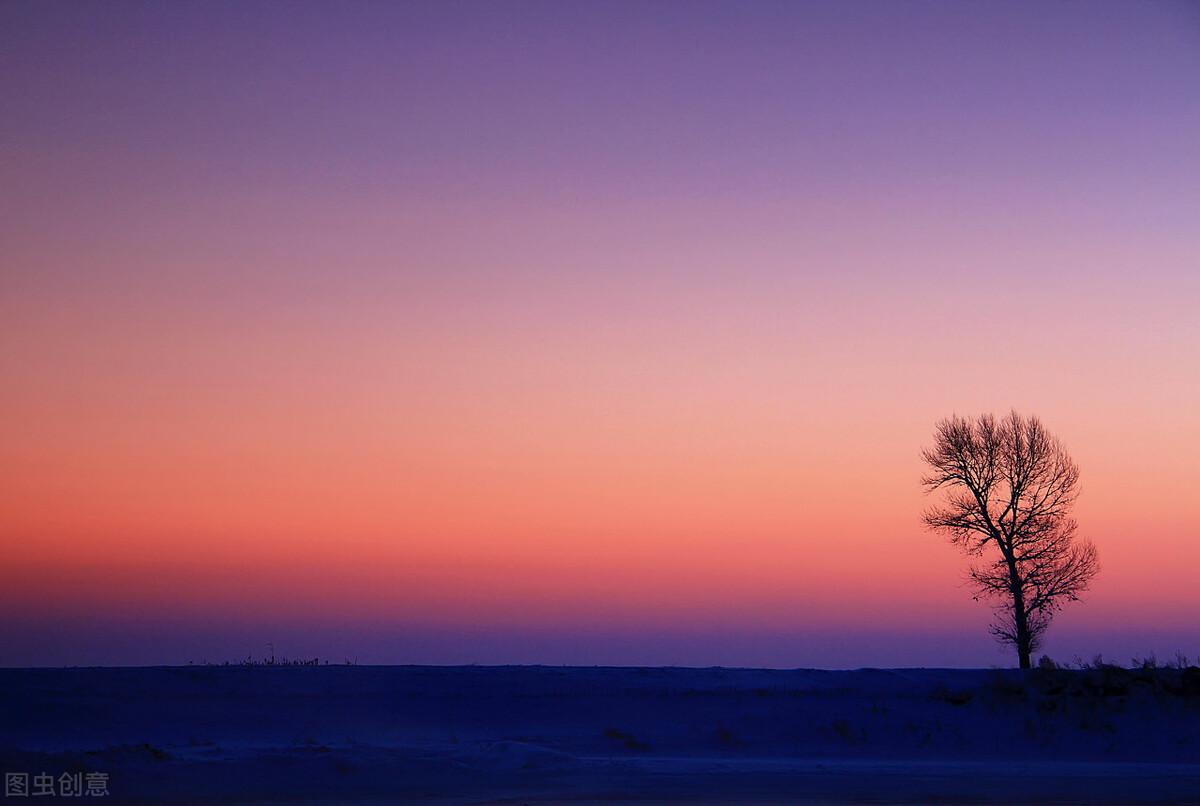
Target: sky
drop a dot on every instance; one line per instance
(597, 333)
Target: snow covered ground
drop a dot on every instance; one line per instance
(521, 734)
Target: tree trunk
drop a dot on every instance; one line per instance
(1024, 639)
(1020, 618)
(1023, 654)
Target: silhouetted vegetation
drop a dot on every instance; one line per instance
(1052, 684)
(272, 661)
(1010, 486)
(627, 740)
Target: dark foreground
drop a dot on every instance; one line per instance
(536, 734)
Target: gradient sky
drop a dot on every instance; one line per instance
(583, 332)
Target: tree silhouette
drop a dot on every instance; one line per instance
(1009, 487)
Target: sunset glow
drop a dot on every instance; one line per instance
(514, 325)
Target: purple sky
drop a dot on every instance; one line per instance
(597, 311)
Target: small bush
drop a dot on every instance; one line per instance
(1146, 664)
(952, 697)
(727, 737)
(1006, 687)
(627, 739)
(843, 730)
(1190, 682)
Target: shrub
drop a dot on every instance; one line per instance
(1147, 664)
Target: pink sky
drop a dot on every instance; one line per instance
(420, 324)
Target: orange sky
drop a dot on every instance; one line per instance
(633, 374)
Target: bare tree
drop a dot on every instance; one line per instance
(1009, 487)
